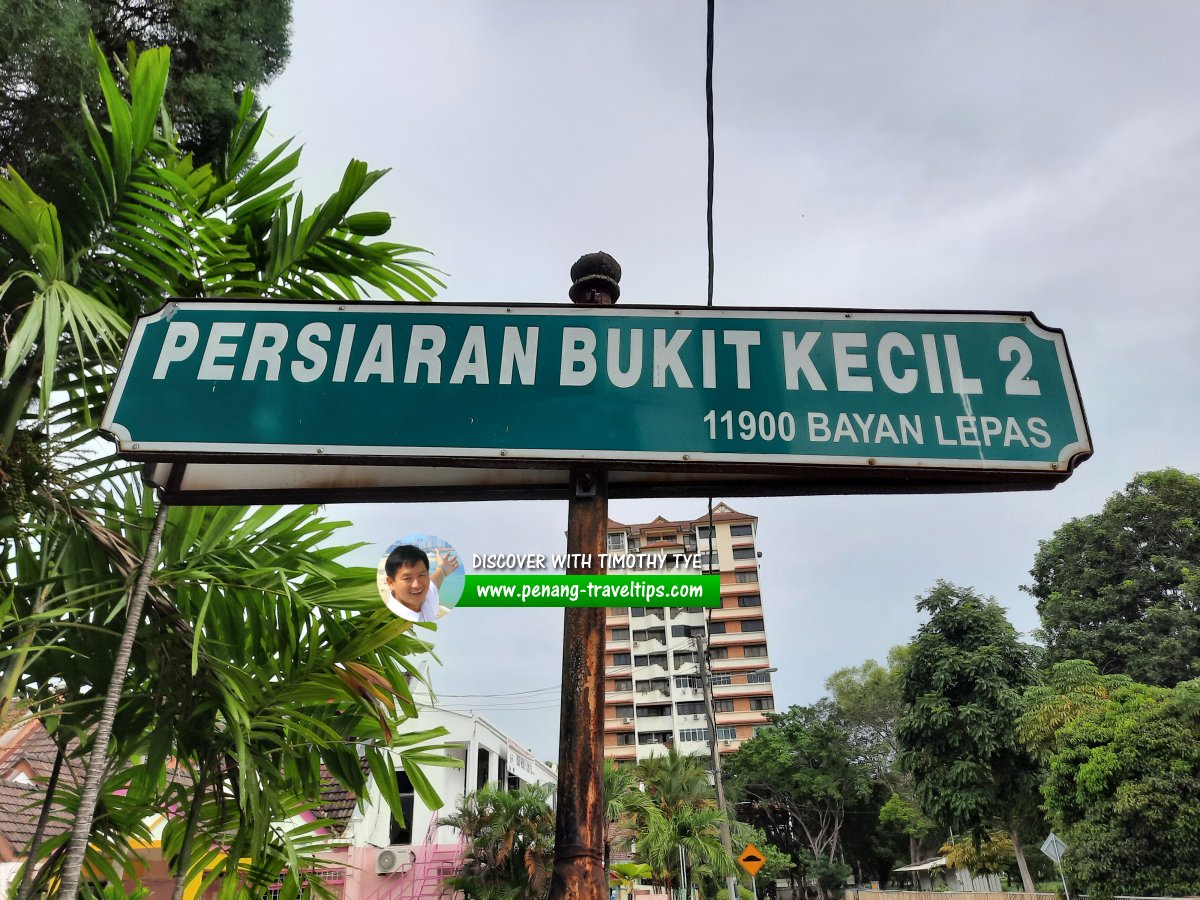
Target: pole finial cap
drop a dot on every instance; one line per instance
(595, 273)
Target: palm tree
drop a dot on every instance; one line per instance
(625, 805)
(676, 780)
(684, 842)
(257, 657)
(681, 831)
(510, 843)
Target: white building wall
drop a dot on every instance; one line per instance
(468, 733)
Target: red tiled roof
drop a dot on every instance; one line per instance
(20, 806)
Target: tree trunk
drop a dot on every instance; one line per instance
(912, 849)
(35, 842)
(1026, 879)
(82, 828)
(185, 848)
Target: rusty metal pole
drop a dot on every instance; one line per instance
(579, 824)
(579, 821)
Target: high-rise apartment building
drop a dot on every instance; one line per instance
(652, 689)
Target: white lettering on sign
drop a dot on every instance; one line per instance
(181, 340)
(855, 361)
(578, 357)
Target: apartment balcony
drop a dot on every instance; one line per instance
(622, 723)
(618, 697)
(655, 723)
(743, 717)
(623, 751)
(724, 614)
(756, 689)
(617, 616)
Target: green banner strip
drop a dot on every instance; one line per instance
(591, 590)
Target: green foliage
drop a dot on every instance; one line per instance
(695, 831)
(994, 855)
(963, 685)
(260, 656)
(1123, 788)
(625, 806)
(675, 780)
(1121, 588)
(510, 843)
(868, 697)
(796, 779)
(220, 48)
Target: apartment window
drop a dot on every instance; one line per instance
(750, 600)
(660, 538)
(651, 659)
(727, 734)
(702, 532)
(760, 728)
(681, 631)
(761, 703)
(687, 681)
(752, 625)
(623, 684)
(637, 612)
(655, 737)
(708, 559)
(719, 652)
(716, 627)
(624, 712)
(741, 530)
(653, 684)
(746, 577)
(721, 679)
(743, 553)
(758, 677)
(751, 650)
(650, 634)
(616, 542)
(620, 634)
(722, 706)
(644, 711)
(621, 659)
(626, 738)
(401, 832)
(690, 707)
(693, 734)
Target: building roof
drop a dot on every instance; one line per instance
(337, 802)
(723, 512)
(925, 865)
(20, 806)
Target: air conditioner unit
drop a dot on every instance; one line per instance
(627, 720)
(393, 859)
(725, 743)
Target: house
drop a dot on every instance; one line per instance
(371, 855)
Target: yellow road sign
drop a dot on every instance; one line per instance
(751, 859)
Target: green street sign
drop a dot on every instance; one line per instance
(697, 395)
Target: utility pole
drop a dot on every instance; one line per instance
(706, 687)
(579, 818)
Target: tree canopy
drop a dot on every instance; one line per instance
(1121, 587)
(1123, 786)
(258, 657)
(219, 48)
(963, 685)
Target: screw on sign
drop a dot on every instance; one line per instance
(751, 859)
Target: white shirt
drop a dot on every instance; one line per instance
(428, 611)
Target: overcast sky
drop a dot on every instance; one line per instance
(918, 155)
